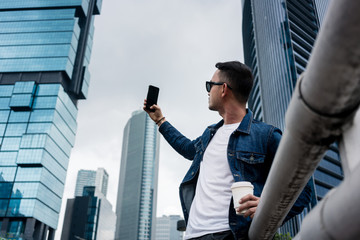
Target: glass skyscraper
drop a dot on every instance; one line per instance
(166, 228)
(137, 193)
(89, 215)
(99, 179)
(278, 37)
(45, 48)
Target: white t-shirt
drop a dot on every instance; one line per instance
(209, 212)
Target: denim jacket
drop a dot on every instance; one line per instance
(250, 153)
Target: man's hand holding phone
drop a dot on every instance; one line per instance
(154, 113)
(151, 107)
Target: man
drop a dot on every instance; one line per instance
(238, 148)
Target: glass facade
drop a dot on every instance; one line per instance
(166, 228)
(107, 221)
(98, 179)
(35, 149)
(89, 215)
(278, 38)
(43, 44)
(137, 193)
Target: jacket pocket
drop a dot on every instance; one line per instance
(250, 165)
(250, 157)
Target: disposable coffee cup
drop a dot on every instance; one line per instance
(240, 190)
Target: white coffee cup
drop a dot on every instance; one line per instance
(240, 190)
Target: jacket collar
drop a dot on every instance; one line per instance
(244, 126)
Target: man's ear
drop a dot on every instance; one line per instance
(223, 94)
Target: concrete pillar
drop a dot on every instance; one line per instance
(39, 230)
(51, 235)
(4, 227)
(45, 232)
(29, 228)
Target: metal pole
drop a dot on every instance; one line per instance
(337, 215)
(322, 107)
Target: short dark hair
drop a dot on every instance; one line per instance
(239, 77)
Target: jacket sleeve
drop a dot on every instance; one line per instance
(179, 142)
(305, 197)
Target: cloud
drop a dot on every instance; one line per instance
(171, 44)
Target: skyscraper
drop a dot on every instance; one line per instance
(137, 193)
(45, 47)
(89, 215)
(99, 179)
(166, 228)
(278, 37)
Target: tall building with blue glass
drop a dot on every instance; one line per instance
(45, 48)
(137, 190)
(278, 37)
(89, 215)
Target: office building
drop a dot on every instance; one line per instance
(166, 228)
(89, 216)
(278, 37)
(99, 179)
(45, 48)
(137, 193)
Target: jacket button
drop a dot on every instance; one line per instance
(192, 173)
(252, 158)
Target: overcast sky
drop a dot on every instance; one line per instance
(172, 44)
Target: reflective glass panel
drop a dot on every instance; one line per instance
(28, 174)
(4, 115)
(19, 117)
(5, 189)
(6, 4)
(33, 141)
(36, 51)
(42, 115)
(21, 100)
(7, 174)
(6, 90)
(29, 156)
(2, 129)
(4, 102)
(8, 158)
(16, 39)
(25, 190)
(48, 90)
(37, 26)
(24, 87)
(11, 144)
(36, 64)
(3, 207)
(15, 129)
(21, 208)
(37, 15)
(44, 102)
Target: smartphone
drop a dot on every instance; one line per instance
(152, 97)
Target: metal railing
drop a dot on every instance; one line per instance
(322, 109)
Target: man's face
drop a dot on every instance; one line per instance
(215, 93)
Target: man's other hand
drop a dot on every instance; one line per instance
(248, 203)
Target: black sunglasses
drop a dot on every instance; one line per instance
(209, 84)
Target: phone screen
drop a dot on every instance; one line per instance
(152, 96)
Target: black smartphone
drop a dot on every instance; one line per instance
(152, 97)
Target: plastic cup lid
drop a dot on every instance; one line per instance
(242, 184)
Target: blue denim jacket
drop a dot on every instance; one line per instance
(250, 153)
